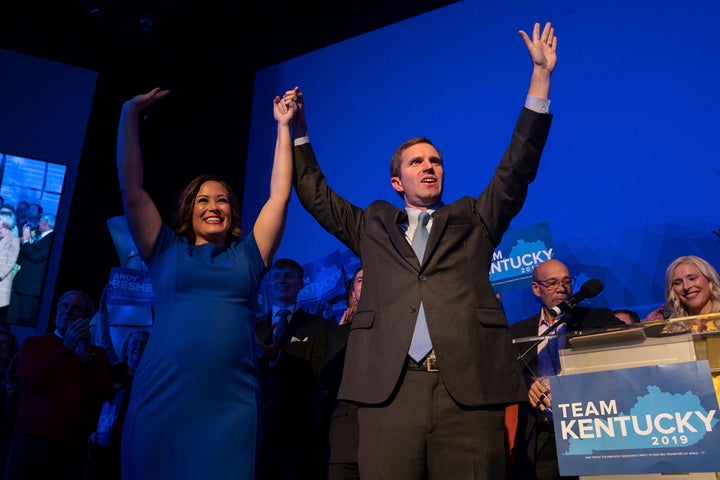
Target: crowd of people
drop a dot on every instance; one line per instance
(64, 400)
(414, 382)
(25, 242)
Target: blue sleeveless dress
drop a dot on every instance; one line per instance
(193, 407)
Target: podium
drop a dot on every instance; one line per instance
(630, 348)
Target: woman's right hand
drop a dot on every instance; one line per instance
(144, 100)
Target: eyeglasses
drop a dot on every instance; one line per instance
(554, 284)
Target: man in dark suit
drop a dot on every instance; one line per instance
(436, 414)
(28, 282)
(534, 454)
(295, 346)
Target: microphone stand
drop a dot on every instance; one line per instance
(541, 338)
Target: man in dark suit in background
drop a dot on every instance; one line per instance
(435, 411)
(294, 347)
(343, 429)
(534, 454)
(28, 282)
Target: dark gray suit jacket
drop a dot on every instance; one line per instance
(468, 329)
(293, 409)
(33, 259)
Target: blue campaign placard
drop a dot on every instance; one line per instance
(520, 250)
(657, 419)
(130, 287)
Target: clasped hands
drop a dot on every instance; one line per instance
(77, 338)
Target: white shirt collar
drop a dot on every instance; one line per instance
(414, 212)
(544, 324)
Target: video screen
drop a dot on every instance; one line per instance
(30, 195)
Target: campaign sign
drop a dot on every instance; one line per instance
(657, 419)
(520, 250)
(324, 284)
(130, 287)
(324, 280)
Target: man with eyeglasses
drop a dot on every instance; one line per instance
(63, 382)
(534, 454)
(294, 345)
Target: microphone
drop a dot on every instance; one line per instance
(589, 289)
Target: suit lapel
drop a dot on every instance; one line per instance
(296, 322)
(439, 225)
(571, 322)
(397, 238)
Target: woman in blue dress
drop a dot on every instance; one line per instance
(193, 409)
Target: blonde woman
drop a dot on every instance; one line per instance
(692, 287)
(9, 251)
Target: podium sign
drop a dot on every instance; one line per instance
(661, 418)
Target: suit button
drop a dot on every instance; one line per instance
(412, 310)
(422, 278)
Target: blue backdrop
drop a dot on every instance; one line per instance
(629, 175)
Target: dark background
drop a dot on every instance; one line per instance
(206, 53)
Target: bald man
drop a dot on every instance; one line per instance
(534, 454)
